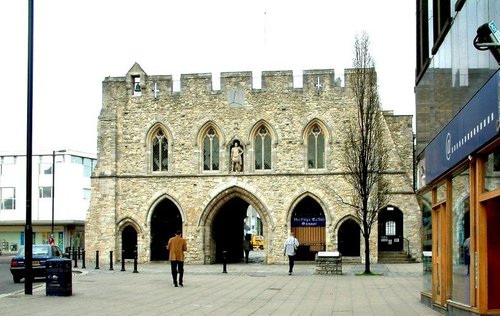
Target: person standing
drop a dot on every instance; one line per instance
(247, 246)
(176, 247)
(291, 245)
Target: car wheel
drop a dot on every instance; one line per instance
(261, 247)
(16, 279)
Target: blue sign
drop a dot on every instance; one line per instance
(474, 126)
(308, 222)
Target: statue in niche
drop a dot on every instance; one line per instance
(237, 157)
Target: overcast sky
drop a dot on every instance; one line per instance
(79, 43)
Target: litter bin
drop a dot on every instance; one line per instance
(58, 277)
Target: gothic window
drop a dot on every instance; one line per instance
(262, 149)
(315, 148)
(211, 150)
(160, 151)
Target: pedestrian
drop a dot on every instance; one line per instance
(176, 247)
(247, 246)
(291, 245)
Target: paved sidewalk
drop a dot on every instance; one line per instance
(246, 289)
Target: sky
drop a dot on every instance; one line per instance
(79, 43)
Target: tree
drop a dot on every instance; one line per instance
(365, 156)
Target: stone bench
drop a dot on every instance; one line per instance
(328, 262)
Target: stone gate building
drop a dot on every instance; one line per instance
(198, 159)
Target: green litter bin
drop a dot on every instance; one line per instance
(58, 277)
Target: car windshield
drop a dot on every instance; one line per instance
(37, 251)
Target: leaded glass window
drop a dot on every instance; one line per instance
(316, 148)
(160, 151)
(262, 150)
(211, 151)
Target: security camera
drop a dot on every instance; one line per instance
(488, 37)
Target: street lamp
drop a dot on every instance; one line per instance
(54, 188)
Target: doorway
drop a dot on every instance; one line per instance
(349, 238)
(165, 221)
(390, 229)
(129, 242)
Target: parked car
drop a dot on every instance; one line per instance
(258, 241)
(41, 253)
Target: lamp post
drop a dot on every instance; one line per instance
(54, 188)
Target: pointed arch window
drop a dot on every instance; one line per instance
(160, 151)
(262, 149)
(211, 150)
(315, 148)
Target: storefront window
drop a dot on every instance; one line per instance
(460, 239)
(426, 208)
(492, 168)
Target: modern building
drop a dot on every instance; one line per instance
(60, 198)
(458, 153)
(197, 158)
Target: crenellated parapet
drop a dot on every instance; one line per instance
(138, 83)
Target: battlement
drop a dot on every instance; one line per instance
(316, 81)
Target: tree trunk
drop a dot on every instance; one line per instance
(367, 254)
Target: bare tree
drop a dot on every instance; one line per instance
(365, 157)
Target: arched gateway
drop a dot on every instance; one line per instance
(222, 223)
(168, 166)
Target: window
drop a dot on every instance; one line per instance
(45, 168)
(86, 194)
(87, 167)
(45, 192)
(7, 198)
(211, 150)
(315, 148)
(10, 160)
(390, 228)
(137, 85)
(262, 149)
(160, 151)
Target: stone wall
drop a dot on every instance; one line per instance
(125, 190)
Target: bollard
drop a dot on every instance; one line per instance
(78, 253)
(135, 261)
(75, 258)
(97, 259)
(83, 259)
(111, 260)
(224, 261)
(123, 260)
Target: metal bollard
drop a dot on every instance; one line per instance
(78, 253)
(135, 261)
(111, 260)
(83, 259)
(75, 259)
(224, 261)
(123, 260)
(97, 259)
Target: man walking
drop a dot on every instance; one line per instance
(291, 245)
(176, 247)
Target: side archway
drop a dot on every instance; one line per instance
(165, 219)
(349, 238)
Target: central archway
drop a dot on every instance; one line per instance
(228, 206)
